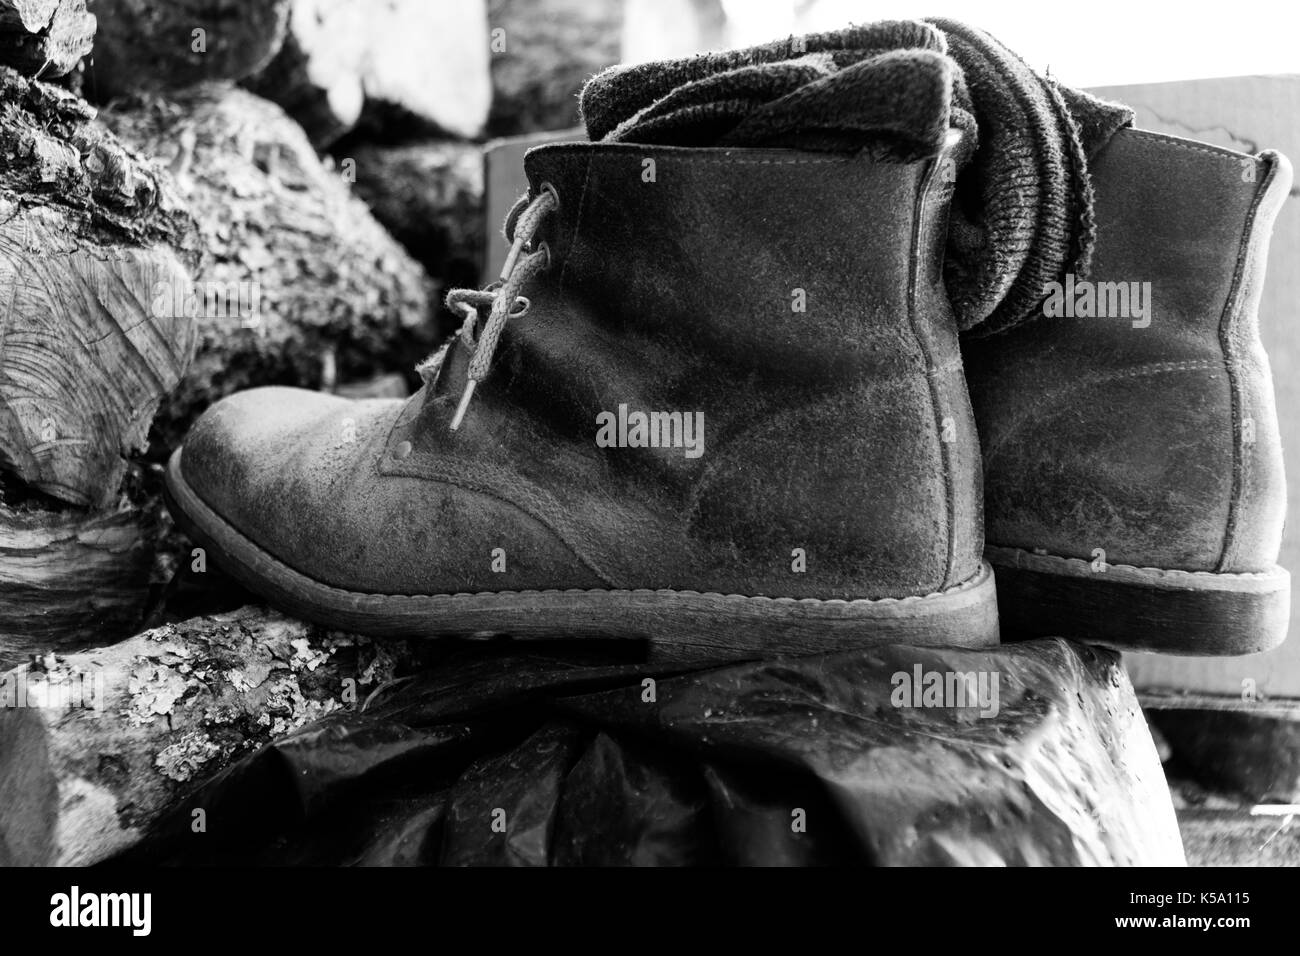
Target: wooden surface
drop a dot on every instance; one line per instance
(169, 709)
(326, 288)
(88, 231)
(84, 363)
(71, 578)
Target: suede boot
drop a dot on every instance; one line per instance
(1134, 493)
(716, 402)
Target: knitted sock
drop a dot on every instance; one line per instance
(1022, 214)
(616, 94)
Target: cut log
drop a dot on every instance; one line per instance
(543, 51)
(298, 275)
(85, 363)
(144, 45)
(429, 195)
(428, 59)
(123, 733)
(89, 233)
(69, 578)
(45, 37)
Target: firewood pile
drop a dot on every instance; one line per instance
(197, 197)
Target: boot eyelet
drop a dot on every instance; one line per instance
(403, 450)
(548, 188)
(543, 247)
(521, 306)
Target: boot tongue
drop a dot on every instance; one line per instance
(431, 369)
(1023, 210)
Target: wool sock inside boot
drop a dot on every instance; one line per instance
(886, 88)
(1022, 214)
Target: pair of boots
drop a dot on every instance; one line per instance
(718, 401)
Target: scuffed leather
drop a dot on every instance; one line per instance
(277, 464)
(1099, 435)
(824, 429)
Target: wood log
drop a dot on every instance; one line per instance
(544, 52)
(429, 195)
(144, 45)
(96, 746)
(428, 59)
(305, 277)
(88, 233)
(84, 364)
(71, 578)
(45, 37)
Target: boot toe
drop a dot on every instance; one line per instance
(263, 458)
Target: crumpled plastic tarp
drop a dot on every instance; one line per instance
(508, 757)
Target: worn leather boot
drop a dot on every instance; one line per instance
(1134, 493)
(710, 404)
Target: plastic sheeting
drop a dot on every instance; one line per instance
(525, 760)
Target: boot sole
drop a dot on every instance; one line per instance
(676, 625)
(1190, 613)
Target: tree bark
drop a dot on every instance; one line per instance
(88, 233)
(304, 278)
(96, 746)
(45, 37)
(429, 195)
(144, 45)
(544, 53)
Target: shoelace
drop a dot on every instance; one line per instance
(502, 298)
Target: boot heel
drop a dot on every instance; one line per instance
(1193, 613)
